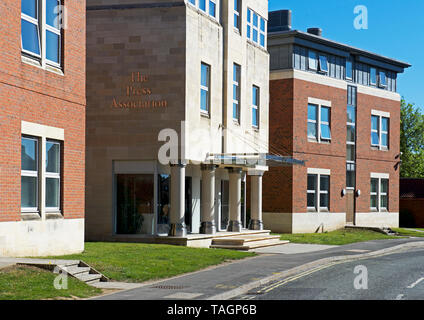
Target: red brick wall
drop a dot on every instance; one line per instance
(32, 94)
(285, 189)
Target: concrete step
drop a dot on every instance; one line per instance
(275, 241)
(241, 240)
(74, 270)
(89, 278)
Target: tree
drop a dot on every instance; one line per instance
(411, 141)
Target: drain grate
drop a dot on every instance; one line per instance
(169, 287)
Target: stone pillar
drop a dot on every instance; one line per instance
(177, 210)
(207, 217)
(235, 200)
(256, 202)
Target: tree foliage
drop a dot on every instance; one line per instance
(411, 141)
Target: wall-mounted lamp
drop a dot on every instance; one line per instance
(358, 193)
(343, 192)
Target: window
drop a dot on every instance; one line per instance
(256, 28)
(237, 14)
(255, 106)
(349, 69)
(32, 23)
(373, 76)
(318, 192)
(323, 63)
(379, 191)
(382, 81)
(207, 6)
(29, 174)
(312, 60)
(52, 176)
(236, 92)
(204, 88)
(380, 132)
(319, 123)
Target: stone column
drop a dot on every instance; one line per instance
(256, 202)
(235, 200)
(207, 217)
(177, 210)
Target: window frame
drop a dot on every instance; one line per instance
(237, 87)
(318, 173)
(350, 61)
(250, 28)
(318, 122)
(58, 32)
(205, 88)
(380, 83)
(37, 23)
(256, 107)
(315, 66)
(321, 68)
(380, 178)
(32, 174)
(54, 175)
(238, 14)
(380, 116)
(196, 5)
(373, 69)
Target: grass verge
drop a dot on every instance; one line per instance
(338, 237)
(138, 262)
(30, 283)
(409, 232)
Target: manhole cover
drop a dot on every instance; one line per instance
(168, 287)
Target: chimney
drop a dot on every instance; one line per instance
(315, 31)
(279, 20)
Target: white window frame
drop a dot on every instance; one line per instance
(320, 66)
(33, 174)
(319, 103)
(250, 14)
(205, 88)
(54, 175)
(380, 177)
(42, 28)
(256, 107)
(380, 115)
(237, 84)
(238, 14)
(313, 66)
(37, 23)
(380, 83)
(196, 5)
(319, 172)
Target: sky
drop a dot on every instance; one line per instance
(395, 30)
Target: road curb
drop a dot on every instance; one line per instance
(249, 286)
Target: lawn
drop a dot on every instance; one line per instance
(30, 283)
(409, 232)
(338, 237)
(138, 262)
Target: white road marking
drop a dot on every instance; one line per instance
(415, 283)
(400, 296)
(183, 295)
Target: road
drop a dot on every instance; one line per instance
(398, 276)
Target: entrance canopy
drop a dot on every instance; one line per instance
(252, 160)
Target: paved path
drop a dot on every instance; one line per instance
(215, 281)
(397, 276)
(293, 248)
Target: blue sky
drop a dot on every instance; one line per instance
(395, 29)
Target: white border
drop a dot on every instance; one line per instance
(319, 171)
(380, 113)
(320, 102)
(380, 175)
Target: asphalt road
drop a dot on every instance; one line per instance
(398, 276)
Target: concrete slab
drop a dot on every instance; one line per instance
(117, 285)
(6, 264)
(293, 248)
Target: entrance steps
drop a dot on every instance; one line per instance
(247, 241)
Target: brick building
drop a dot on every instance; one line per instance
(411, 204)
(42, 127)
(336, 107)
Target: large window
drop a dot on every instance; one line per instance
(382, 81)
(318, 193)
(379, 194)
(380, 132)
(29, 174)
(236, 92)
(237, 17)
(207, 6)
(349, 69)
(312, 60)
(255, 106)
(32, 27)
(319, 123)
(373, 76)
(256, 28)
(205, 88)
(52, 176)
(323, 63)
(350, 147)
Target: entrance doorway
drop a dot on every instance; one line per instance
(350, 206)
(225, 216)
